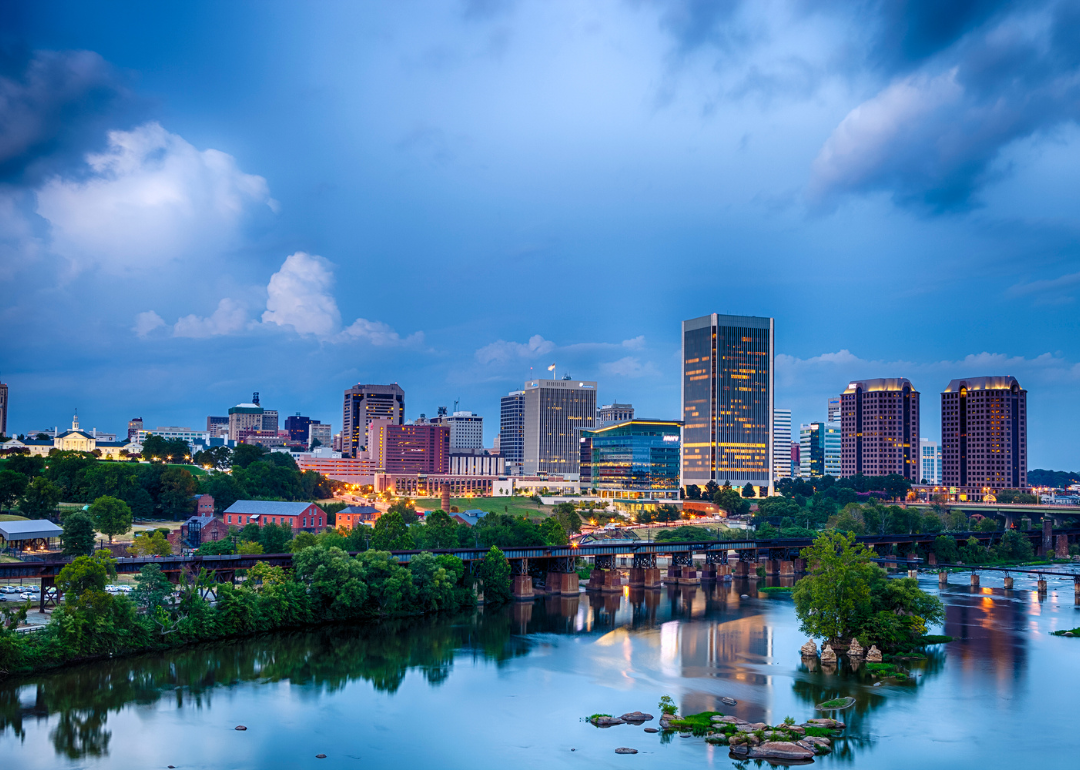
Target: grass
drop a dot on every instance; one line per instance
(886, 670)
(515, 506)
(695, 723)
(776, 589)
(835, 703)
(819, 732)
(1073, 631)
(11, 517)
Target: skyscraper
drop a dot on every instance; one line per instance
(512, 431)
(833, 414)
(929, 461)
(782, 443)
(610, 414)
(984, 434)
(832, 449)
(466, 429)
(727, 400)
(364, 403)
(812, 449)
(880, 428)
(555, 413)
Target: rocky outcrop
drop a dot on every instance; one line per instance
(832, 724)
(781, 750)
(873, 655)
(855, 650)
(636, 716)
(729, 701)
(809, 650)
(652, 730)
(624, 750)
(606, 721)
(827, 654)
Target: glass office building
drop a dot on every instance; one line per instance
(635, 461)
(728, 401)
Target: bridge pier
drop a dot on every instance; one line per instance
(1047, 548)
(708, 573)
(913, 573)
(688, 576)
(1042, 585)
(50, 595)
(787, 568)
(563, 583)
(974, 579)
(644, 577)
(1008, 583)
(523, 587)
(1061, 548)
(800, 566)
(931, 559)
(943, 578)
(1076, 589)
(671, 575)
(607, 580)
(742, 569)
(771, 567)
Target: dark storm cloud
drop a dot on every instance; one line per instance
(52, 103)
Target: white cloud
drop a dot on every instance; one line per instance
(501, 351)
(150, 198)
(229, 318)
(629, 366)
(298, 295)
(377, 333)
(635, 343)
(146, 323)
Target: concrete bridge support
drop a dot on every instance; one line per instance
(974, 579)
(1076, 589)
(563, 583)
(688, 576)
(742, 569)
(1061, 547)
(708, 573)
(943, 578)
(1047, 549)
(913, 573)
(644, 577)
(931, 559)
(787, 568)
(606, 580)
(1041, 585)
(800, 566)
(1008, 583)
(523, 587)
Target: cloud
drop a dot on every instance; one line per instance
(298, 295)
(146, 323)
(1049, 290)
(378, 334)
(501, 351)
(635, 343)
(629, 367)
(150, 198)
(51, 101)
(229, 318)
(931, 138)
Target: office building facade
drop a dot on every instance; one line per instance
(216, 427)
(364, 403)
(296, 425)
(984, 435)
(633, 461)
(556, 411)
(880, 428)
(782, 467)
(727, 401)
(476, 464)
(408, 448)
(833, 410)
(321, 432)
(466, 429)
(512, 431)
(610, 414)
(929, 462)
(819, 449)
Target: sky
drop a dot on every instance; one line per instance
(199, 200)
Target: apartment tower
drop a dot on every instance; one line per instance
(879, 428)
(984, 434)
(727, 400)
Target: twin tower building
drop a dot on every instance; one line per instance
(728, 415)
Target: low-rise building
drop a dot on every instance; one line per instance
(634, 463)
(469, 518)
(204, 505)
(302, 517)
(357, 516)
(201, 529)
(432, 484)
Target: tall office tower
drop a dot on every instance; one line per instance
(880, 428)
(832, 449)
(297, 427)
(466, 429)
(216, 427)
(727, 400)
(984, 434)
(512, 431)
(796, 464)
(364, 403)
(555, 413)
(610, 414)
(834, 409)
(812, 449)
(134, 426)
(421, 448)
(246, 417)
(929, 462)
(3, 408)
(781, 443)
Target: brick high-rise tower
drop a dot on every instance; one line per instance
(984, 434)
(879, 428)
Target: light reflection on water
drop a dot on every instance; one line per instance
(511, 687)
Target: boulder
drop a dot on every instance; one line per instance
(624, 750)
(651, 730)
(636, 716)
(873, 655)
(239, 727)
(727, 720)
(719, 719)
(816, 741)
(729, 701)
(781, 750)
(686, 735)
(740, 749)
(809, 650)
(827, 654)
(606, 721)
(717, 738)
(320, 756)
(855, 650)
(832, 724)
(796, 729)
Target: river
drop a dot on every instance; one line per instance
(510, 688)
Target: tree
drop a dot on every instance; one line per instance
(438, 531)
(111, 516)
(216, 457)
(150, 545)
(407, 510)
(40, 498)
(693, 492)
(225, 488)
(12, 485)
(568, 517)
(245, 454)
(336, 582)
(27, 465)
(432, 587)
(495, 572)
(85, 573)
(945, 549)
(748, 490)
(989, 524)
(152, 588)
(667, 513)
(248, 548)
(731, 501)
(834, 598)
(78, 536)
(275, 537)
(301, 541)
(177, 494)
(391, 534)
(553, 532)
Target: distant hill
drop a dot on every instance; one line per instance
(1042, 478)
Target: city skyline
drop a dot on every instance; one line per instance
(320, 193)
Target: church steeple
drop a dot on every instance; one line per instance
(75, 420)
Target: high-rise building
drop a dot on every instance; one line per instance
(3, 408)
(727, 400)
(984, 434)
(134, 426)
(321, 432)
(216, 427)
(408, 448)
(466, 429)
(634, 461)
(796, 465)
(880, 428)
(781, 443)
(512, 431)
(819, 449)
(364, 403)
(833, 414)
(556, 411)
(297, 427)
(251, 417)
(612, 413)
(929, 462)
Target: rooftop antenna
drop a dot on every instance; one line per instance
(456, 402)
(255, 398)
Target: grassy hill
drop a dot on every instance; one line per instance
(515, 506)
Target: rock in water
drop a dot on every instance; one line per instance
(856, 649)
(728, 701)
(624, 750)
(827, 654)
(606, 721)
(240, 727)
(636, 716)
(874, 655)
(651, 730)
(320, 756)
(781, 750)
(809, 650)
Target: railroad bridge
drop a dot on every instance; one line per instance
(552, 569)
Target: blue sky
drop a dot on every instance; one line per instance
(200, 200)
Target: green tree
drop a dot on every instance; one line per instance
(336, 582)
(667, 513)
(78, 535)
(111, 516)
(155, 447)
(553, 532)
(249, 548)
(225, 488)
(1016, 547)
(40, 498)
(12, 485)
(834, 598)
(495, 572)
(26, 464)
(85, 573)
(245, 454)
(972, 552)
(568, 517)
(301, 541)
(150, 545)
(152, 588)
(177, 494)
(989, 524)
(407, 509)
(748, 490)
(216, 457)
(438, 531)
(731, 501)
(275, 538)
(432, 587)
(945, 549)
(391, 534)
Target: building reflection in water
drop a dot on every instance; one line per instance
(991, 623)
